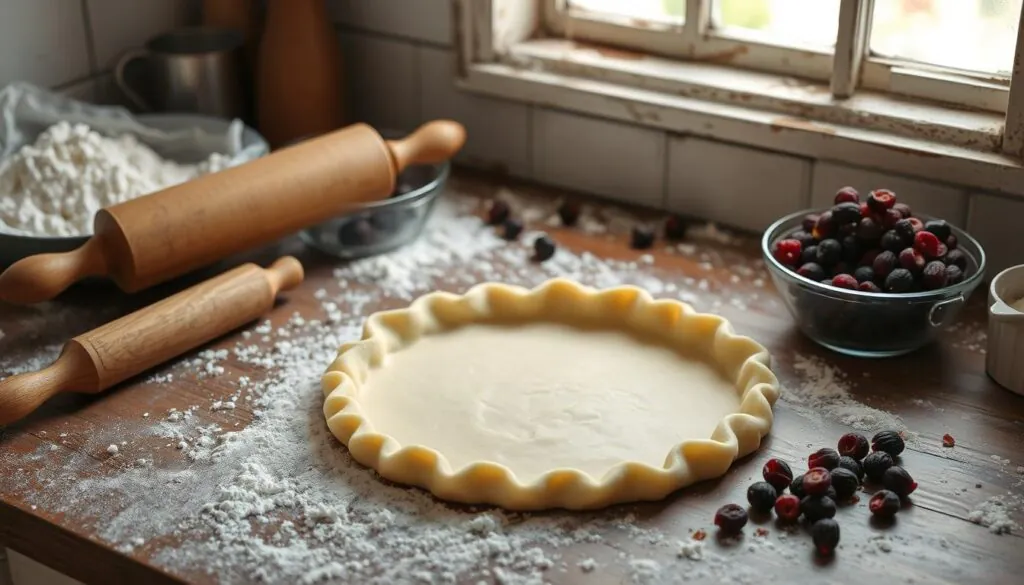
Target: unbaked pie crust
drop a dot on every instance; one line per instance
(557, 397)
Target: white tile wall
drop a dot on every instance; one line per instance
(996, 223)
(383, 85)
(421, 20)
(497, 131)
(949, 203)
(732, 185)
(118, 25)
(42, 42)
(615, 160)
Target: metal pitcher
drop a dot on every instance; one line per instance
(195, 70)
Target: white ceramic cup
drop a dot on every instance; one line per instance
(1004, 359)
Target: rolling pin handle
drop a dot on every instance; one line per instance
(431, 143)
(22, 394)
(285, 273)
(44, 276)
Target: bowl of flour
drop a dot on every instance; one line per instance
(51, 187)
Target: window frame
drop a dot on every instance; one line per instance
(697, 40)
(504, 51)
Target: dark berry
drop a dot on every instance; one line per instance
(817, 481)
(786, 251)
(864, 274)
(831, 492)
(875, 465)
(357, 233)
(892, 241)
(888, 441)
(952, 242)
(825, 535)
(912, 260)
(847, 194)
(884, 263)
(852, 465)
(543, 248)
(905, 229)
(845, 483)
(918, 226)
(830, 252)
(854, 445)
(903, 209)
(868, 287)
(812, 271)
(787, 508)
(884, 504)
(868, 259)
(796, 487)
(642, 238)
(777, 473)
(897, 480)
(929, 245)
(824, 457)
(851, 249)
(889, 218)
(809, 222)
(675, 228)
(805, 238)
(761, 496)
(847, 229)
(511, 229)
(840, 268)
(934, 275)
(869, 230)
(810, 254)
(825, 226)
(847, 212)
(956, 258)
(880, 200)
(816, 508)
(900, 280)
(865, 209)
(939, 228)
(731, 518)
(844, 281)
(954, 275)
(569, 212)
(498, 212)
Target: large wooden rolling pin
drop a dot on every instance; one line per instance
(154, 238)
(112, 353)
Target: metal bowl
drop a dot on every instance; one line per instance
(867, 324)
(14, 247)
(382, 226)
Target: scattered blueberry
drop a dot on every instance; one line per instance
(642, 238)
(888, 441)
(498, 212)
(854, 445)
(761, 496)
(875, 465)
(777, 473)
(817, 481)
(816, 508)
(825, 535)
(852, 465)
(675, 228)
(897, 480)
(543, 248)
(845, 483)
(731, 518)
(787, 508)
(824, 457)
(569, 212)
(884, 504)
(511, 229)
(796, 487)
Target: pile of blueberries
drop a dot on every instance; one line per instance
(875, 245)
(834, 476)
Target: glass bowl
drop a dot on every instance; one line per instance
(382, 226)
(867, 324)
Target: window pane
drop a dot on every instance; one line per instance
(977, 35)
(660, 10)
(787, 22)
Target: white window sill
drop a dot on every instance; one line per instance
(756, 109)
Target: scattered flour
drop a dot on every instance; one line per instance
(112, 450)
(995, 513)
(54, 186)
(823, 389)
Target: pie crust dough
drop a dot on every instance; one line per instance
(627, 398)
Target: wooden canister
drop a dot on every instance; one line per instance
(299, 76)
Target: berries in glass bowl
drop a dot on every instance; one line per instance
(871, 278)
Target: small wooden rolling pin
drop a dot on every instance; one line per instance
(112, 353)
(154, 238)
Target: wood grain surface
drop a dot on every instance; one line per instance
(938, 390)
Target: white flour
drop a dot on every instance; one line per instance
(54, 186)
(994, 513)
(280, 501)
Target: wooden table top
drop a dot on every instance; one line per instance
(938, 390)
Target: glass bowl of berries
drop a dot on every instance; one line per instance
(381, 226)
(867, 277)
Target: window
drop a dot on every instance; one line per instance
(951, 51)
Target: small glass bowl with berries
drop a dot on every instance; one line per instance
(868, 277)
